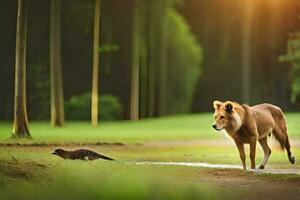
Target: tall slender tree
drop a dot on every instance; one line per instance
(151, 96)
(162, 58)
(134, 94)
(20, 127)
(143, 83)
(246, 50)
(57, 95)
(95, 76)
(153, 51)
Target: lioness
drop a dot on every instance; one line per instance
(248, 125)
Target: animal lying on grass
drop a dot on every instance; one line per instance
(247, 125)
(79, 154)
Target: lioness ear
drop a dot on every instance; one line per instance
(228, 106)
(217, 105)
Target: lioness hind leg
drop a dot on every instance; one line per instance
(267, 152)
(288, 149)
(280, 134)
(252, 153)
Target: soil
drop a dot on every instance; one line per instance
(252, 184)
(254, 187)
(281, 184)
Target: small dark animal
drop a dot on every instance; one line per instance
(79, 154)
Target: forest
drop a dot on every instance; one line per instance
(138, 80)
(161, 39)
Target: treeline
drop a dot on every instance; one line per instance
(140, 51)
(221, 27)
(292, 56)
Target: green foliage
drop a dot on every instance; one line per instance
(107, 48)
(184, 63)
(79, 107)
(170, 60)
(292, 56)
(110, 107)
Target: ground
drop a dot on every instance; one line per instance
(29, 171)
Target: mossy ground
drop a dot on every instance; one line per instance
(29, 171)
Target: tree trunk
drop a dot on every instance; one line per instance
(162, 59)
(20, 127)
(57, 97)
(152, 59)
(246, 51)
(134, 96)
(143, 83)
(95, 76)
(225, 40)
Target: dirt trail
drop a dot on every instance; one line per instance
(287, 186)
(252, 184)
(223, 166)
(253, 187)
(165, 143)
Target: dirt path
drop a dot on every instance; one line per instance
(231, 177)
(166, 143)
(223, 166)
(253, 187)
(257, 184)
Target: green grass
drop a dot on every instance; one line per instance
(31, 172)
(39, 175)
(181, 127)
(167, 128)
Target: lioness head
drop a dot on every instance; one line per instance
(226, 116)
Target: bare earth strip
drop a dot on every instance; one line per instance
(252, 187)
(166, 143)
(223, 166)
(252, 184)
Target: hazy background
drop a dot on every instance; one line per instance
(205, 41)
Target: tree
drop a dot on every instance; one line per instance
(246, 51)
(292, 56)
(134, 93)
(162, 58)
(57, 96)
(152, 56)
(20, 127)
(184, 57)
(143, 83)
(95, 78)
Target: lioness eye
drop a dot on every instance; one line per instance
(222, 117)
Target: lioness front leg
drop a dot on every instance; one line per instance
(241, 149)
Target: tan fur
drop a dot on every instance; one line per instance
(247, 125)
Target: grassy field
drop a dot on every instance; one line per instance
(31, 172)
(181, 127)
